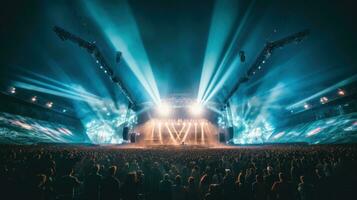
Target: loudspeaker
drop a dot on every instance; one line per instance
(230, 133)
(132, 137)
(126, 133)
(222, 138)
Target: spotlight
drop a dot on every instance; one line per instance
(323, 100)
(101, 67)
(164, 109)
(105, 71)
(341, 92)
(196, 109)
(97, 61)
(49, 104)
(306, 106)
(64, 110)
(12, 90)
(34, 99)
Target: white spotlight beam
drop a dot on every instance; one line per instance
(228, 54)
(97, 54)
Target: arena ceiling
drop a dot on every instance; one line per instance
(178, 47)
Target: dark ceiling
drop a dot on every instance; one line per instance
(175, 34)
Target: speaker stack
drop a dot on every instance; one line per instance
(126, 133)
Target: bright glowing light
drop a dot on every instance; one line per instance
(164, 109)
(100, 132)
(196, 109)
(278, 135)
(34, 98)
(306, 106)
(12, 90)
(126, 39)
(314, 132)
(49, 104)
(323, 100)
(341, 92)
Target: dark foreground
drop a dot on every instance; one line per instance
(79, 172)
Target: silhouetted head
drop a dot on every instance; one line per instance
(191, 180)
(95, 168)
(282, 176)
(166, 177)
(112, 170)
(259, 178)
(178, 180)
(302, 179)
(131, 178)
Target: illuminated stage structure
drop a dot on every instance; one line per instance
(199, 132)
(178, 121)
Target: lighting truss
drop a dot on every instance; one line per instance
(97, 54)
(263, 56)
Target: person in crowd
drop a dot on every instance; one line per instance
(259, 188)
(307, 172)
(242, 189)
(191, 189)
(228, 185)
(214, 193)
(37, 188)
(203, 185)
(178, 190)
(165, 187)
(110, 185)
(129, 190)
(92, 183)
(282, 189)
(67, 185)
(305, 190)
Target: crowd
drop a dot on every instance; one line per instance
(255, 173)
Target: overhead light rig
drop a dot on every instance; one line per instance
(92, 48)
(263, 56)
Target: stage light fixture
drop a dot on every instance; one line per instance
(49, 104)
(12, 90)
(34, 99)
(306, 106)
(341, 92)
(323, 100)
(164, 109)
(196, 109)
